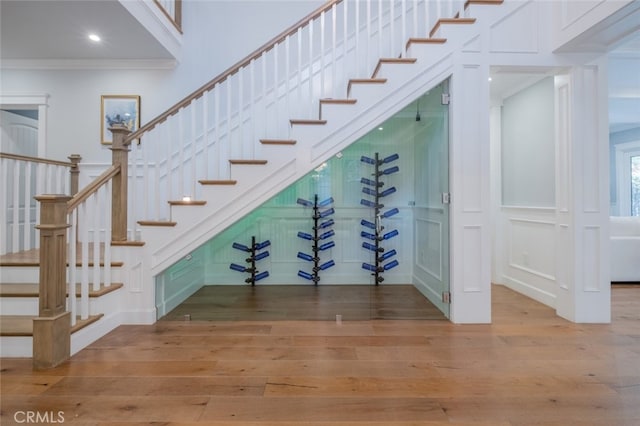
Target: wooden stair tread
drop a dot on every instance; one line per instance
(248, 162)
(364, 81)
(278, 141)
(127, 243)
(482, 2)
(338, 101)
(36, 263)
(156, 223)
(217, 182)
(383, 61)
(187, 203)
(32, 289)
(307, 122)
(417, 40)
(31, 258)
(450, 21)
(22, 325)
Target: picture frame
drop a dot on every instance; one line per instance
(118, 109)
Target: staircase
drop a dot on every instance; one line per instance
(248, 134)
(252, 147)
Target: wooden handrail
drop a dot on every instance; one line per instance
(35, 159)
(229, 71)
(90, 189)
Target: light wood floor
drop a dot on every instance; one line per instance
(528, 368)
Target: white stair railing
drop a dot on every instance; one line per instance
(21, 179)
(89, 237)
(255, 98)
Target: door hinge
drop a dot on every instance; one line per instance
(446, 98)
(446, 198)
(446, 297)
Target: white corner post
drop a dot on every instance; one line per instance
(470, 224)
(582, 195)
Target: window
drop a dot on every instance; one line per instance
(627, 166)
(635, 185)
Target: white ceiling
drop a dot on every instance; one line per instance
(58, 30)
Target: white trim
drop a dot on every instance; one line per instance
(89, 64)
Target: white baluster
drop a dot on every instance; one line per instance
(84, 260)
(95, 217)
(107, 233)
(28, 196)
(72, 255)
(205, 135)
(15, 232)
(4, 190)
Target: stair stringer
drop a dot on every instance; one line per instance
(315, 144)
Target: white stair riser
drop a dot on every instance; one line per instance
(19, 306)
(16, 347)
(29, 305)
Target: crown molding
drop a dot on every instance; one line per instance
(88, 64)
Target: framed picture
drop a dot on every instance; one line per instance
(118, 109)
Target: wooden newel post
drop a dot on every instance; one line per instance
(52, 329)
(75, 173)
(120, 157)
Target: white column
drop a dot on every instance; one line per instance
(582, 195)
(470, 230)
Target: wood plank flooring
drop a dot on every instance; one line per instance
(308, 302)
(527, 368)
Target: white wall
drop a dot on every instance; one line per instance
(528, 147)
(216, 35)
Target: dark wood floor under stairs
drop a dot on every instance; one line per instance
(528, 368)
(305, 302)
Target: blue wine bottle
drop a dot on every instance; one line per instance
(263, 244)
(326, 246)
(237, 267)
(391, 264)
(325, 224)
(327, 265)
(262, 275)
(371, 247)
(241, 247)
(326, 213)
(387, 255)
(262, 255)
(389, 159)
(367, 160)
(326, 235)
(369, 191)
(389, 171)
(305, 256)
(367, 235)
(305, 236)
(304, 202)
(325, 202)
(368, 224)
(370, 267)
(388, 191)
(390, 213)
(390, 234)
(371, 204)
(370, 182)
(305, 275)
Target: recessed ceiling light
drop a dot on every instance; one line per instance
(490, 79)
(94, 37)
